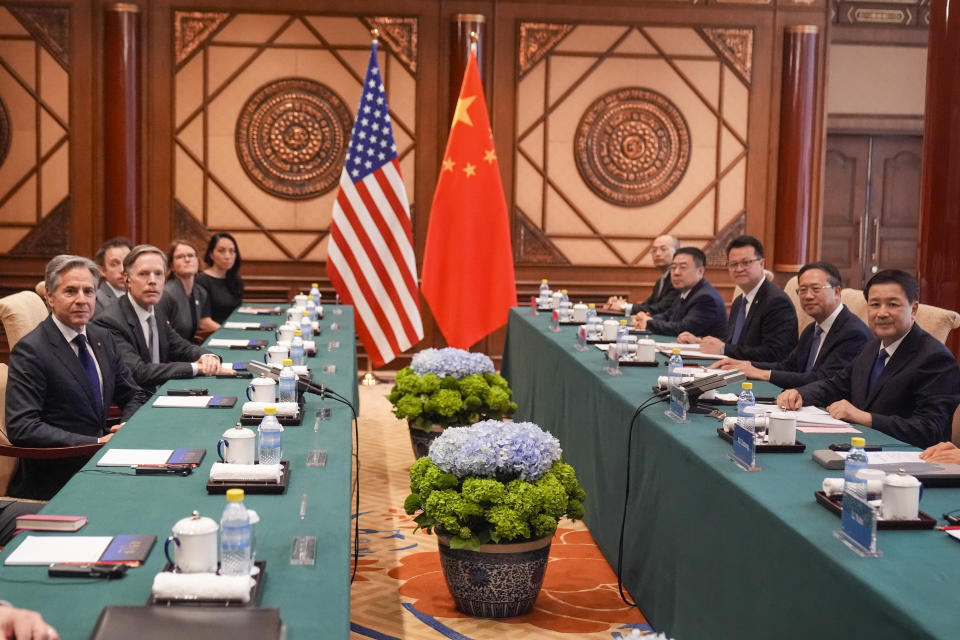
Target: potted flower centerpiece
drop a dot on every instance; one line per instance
(448, 387)
(493, 493)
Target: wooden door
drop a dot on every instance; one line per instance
(871, 204)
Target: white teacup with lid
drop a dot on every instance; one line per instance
(901, 497)
(262, 389)
(610, 327)
(238, 445)
(300, 300)
(195, 540)
(646, 350)
(579, 312)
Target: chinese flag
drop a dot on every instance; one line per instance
(467, 276)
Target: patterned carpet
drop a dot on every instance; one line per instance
(399, 591)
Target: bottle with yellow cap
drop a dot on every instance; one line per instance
(745, 400)
(297, 353)
(315, 293)
(235, 536)
(271, 435)
(675, 369)
(856, 460)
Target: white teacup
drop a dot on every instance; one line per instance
(276, 354)
(901, 497)
(195, 540)
(262, 389)
(579, 312)
(237, 446)
(782, 427)
(285, 332)
(646, 350)
(609, 331)
(300, 300)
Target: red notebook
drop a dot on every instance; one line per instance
(43, 522)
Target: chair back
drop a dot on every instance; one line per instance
(936, 321)
(8, 466)
(20, 313)
(41, 289)
(955, 431)
(791, 290)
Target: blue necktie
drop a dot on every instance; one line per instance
(741, 317)
(878, 367)
(812, 356)
(89, 367)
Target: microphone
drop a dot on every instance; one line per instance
(303, 385)
(699, 386)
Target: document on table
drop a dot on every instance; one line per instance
(43, 550)
(241, 325)
(130, 457)
(687, 352)
(225, 342)
(889, 457)
(678, 345)
(182, 402)
(815, 420)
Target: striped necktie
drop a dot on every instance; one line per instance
(89, 368)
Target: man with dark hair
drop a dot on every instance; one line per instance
(826, 346)
(699, 307)
(109, 258)
(663, 295)
(152, 350)
(64, 376)
(763, 322)
(904, 382)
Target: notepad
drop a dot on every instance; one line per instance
(131, 457)
(43, 550)
(182, 401)
(226, 342)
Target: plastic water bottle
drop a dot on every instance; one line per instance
(566, 313)
(675, 369)
(856, 460)
(306, 326)
(312, 310)
(235, 536)
(271, 435)
(623, 329)
(287, 386)
(544, 292)
(297, 353)
(745, 400)
(564, 296)
(315, 293)
(591, 311)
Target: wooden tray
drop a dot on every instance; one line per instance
(251, 486)
(210, 602)
(796, 447)
(285, 421)
(833, 505)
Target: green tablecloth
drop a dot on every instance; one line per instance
(711, 551)
(309, 597)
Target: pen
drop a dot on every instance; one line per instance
(163, 470)
(947, 528)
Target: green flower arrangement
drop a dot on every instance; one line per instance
(450, 387)
(493, 482)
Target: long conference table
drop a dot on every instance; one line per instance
(711, 551)
(310, 598)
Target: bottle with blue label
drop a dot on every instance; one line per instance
(271, 435)
(591, 311)
(297, 353)
(745, 400)
(287, 387)
(315, 293)
(675, 369)
(306, 325)
(312, 310)
(235, 540)
(856, 460)
(544, 298)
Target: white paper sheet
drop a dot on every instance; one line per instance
(130, 457)
(227, 343)
(182, 402)
(43, 550)
(241, 325)
(888, 457)
(815, 429)
(678, 345)
(692, 353)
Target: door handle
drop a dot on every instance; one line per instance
(876, 241)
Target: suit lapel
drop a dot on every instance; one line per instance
(134, 323)
(897, 361)
(751, 310)
(64, 353)
(833, 336)
(161, 323)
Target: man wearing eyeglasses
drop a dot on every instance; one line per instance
(664, 294)
(826, 346)
(763, 322)
(699, 307)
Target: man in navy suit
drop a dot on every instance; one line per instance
(64, 376)
(109, 259)
(663, 296)
(763, 322)
(904, 382)
(150, 347)
(826, 346)
(699, 307)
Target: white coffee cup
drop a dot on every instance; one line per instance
(646, 350)
(300, 300)
(293, 315)
(237, 446)
(195, 540)
(262, 389)
(285, 332)
(276, 354)
(610, 329)
(901, 497)
(782, 427)
(579, 312)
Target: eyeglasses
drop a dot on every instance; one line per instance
(733, 266)
(814, 289)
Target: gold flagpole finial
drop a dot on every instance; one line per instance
(375, 34)
(474, 37)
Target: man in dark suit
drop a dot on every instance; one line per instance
(663, 296)
(826, 346)
(699, 307)
(904, 382)
(64, 376)
(150, 347)
(109, 259)
(763, 322)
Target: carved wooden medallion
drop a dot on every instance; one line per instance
(292, 137)
(632, 146)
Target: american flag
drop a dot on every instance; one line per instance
(370, 254)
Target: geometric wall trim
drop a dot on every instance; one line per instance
(735, 46)
(537, 39)
(716, 249)
(49, 238)
(191, 29)
(532, 245)
(400, 36)
(50, 26)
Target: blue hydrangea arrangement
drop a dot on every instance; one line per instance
(450, 387)
(493, 482)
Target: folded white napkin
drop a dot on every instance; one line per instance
(308, 345)
(222, 471)
(833, 486)
(291, 409)
(299, 369)
(730, 422)
(207, 586)
(662, 381)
